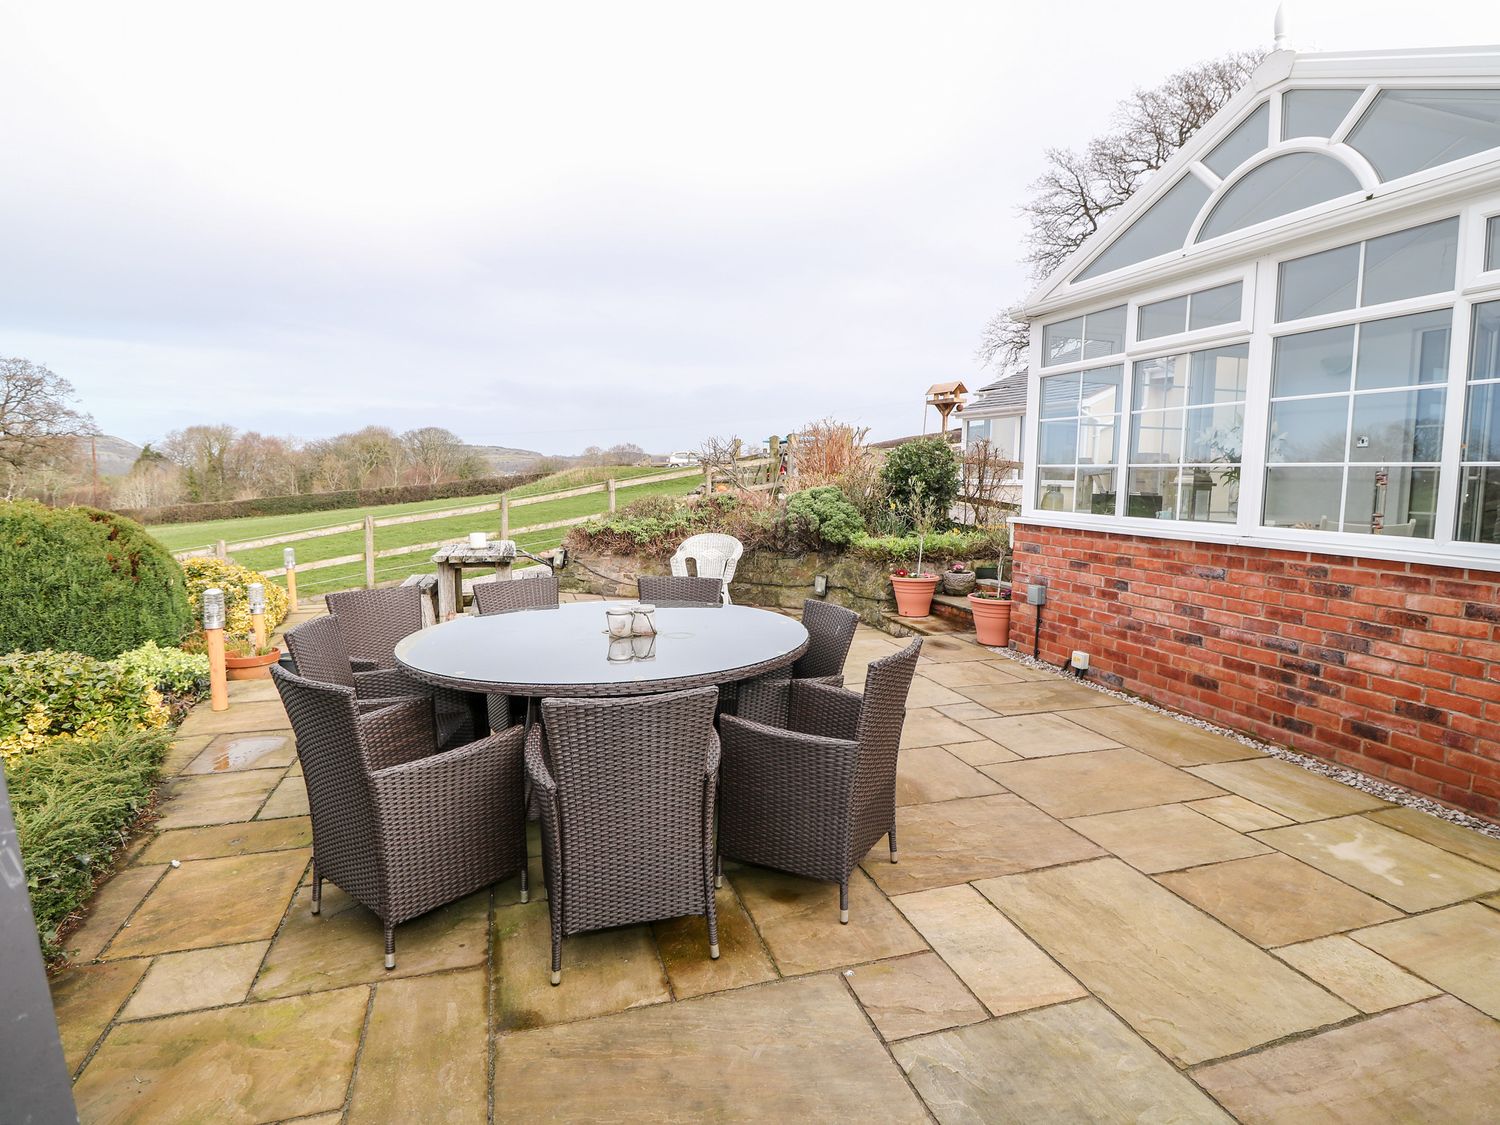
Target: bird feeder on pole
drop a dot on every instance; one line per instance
(213, 636)
(289, 560)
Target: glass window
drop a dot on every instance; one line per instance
(1219, 305)
(1315, 113)
(1080, 416)
(1405, 131)
(1404, 350)
(1410, 263)
(1306, 497)
(1207, 308)
(1248, 138)
(1492, 243)
(1313, 363)
(1084, 337)
(1278, 187)
(978, 430)
(1163, 318)
(1162, 227)
(1319, 283)
(1062, 342)
(1186, 431)
(1479, 481)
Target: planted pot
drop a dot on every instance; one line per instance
(990, 572)
(958, 582)
(991, 620)
(914, 594)
(251, 667)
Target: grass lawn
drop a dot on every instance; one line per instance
(180, 537)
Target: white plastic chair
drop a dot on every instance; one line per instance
(715, 556)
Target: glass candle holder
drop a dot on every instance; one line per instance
(620, 650)
(619, 621)
(479, 540)
(643, 647)
(643, 621)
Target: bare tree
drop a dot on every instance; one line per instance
(261, 465)
(37, 423)
(202, 453)
(434, 454)
(1079, 190)
(151, 483)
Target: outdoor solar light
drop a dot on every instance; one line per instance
(289, 560)
(255, 593)
(213, 608)
(820, 585)
(213, 636)
(289, 557)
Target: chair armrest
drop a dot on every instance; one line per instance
(400, 732)
(479, 767)
(536, 762)
(364, 664)
(766, 699)
(824, 709)
(715, 753)
(365, 706)
(752, 751)
(387, 683)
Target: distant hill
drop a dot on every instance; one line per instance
(116, 455)
(502, 459)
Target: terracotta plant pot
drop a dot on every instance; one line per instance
(958, 582)
(991, 620)
(914, 594)
(251, 667)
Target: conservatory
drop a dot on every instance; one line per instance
(1275, 375)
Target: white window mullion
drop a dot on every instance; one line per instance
(1470, 249)
(1257, 396)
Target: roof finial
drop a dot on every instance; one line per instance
(1283, 41)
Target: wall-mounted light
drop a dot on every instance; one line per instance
(820, 585)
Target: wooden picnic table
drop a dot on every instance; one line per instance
(455, 558)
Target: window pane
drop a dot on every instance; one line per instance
(1404, 350)
(1315, 113)
(1318, 283)
(1482, 428)
(1309, 429)
(1278, 187)
(979, 430)
(1062, 342)
(1096, 440)
(1156, 437)
(1399, 502)
(1401, 426)
(1101, 390)
(1159, 383)
(1055, 490)
(1312, 363)
(1059, 443)
(1104, 333)
(1160, 228)
(1479, 506)
(1484, 351)
(1410, 263)
(1153, 493)
(1492, 244)
(1219, 374)
(1307, 498)
(1060, 396)
(1248, 138)
(1213, 434)
(1164, 318)
(1220, 305)
(1210, 495)
(1405, 131)
(1095, 491)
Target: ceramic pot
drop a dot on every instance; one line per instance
(914, 594)
(958, 582)
(991, 620)
(251, 667)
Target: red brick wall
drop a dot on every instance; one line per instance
(1389, 668)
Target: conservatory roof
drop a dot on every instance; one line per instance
(1313, 141)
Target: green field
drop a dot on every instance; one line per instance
(184, 537)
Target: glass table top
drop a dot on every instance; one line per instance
(567, 650)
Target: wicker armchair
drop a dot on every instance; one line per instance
(679, 589)
(812, 793)
(318, 651)
(512, 597)
(626, 789)
(401, 826)
(713, 555)
(830, 630)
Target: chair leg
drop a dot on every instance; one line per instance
(390, 945)
(556, 961)
(525, 884)
(892, 836)
(317, 896)
(719, 878)
(844, 902)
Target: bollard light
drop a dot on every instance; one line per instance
(289, 557)
(289, 560)
(213, 637)
(213, 608)
(255, 593)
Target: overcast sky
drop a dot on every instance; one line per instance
(552, 225)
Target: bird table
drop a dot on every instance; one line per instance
(455, 558)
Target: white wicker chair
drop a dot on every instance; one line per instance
(715, 556)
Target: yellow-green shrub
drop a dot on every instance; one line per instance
(51, 695)
(233, 579)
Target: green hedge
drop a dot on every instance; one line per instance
(327, 501)
(976, 547)
(86, 581)
(45, 695)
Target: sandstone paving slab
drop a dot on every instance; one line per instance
(1190, 986)
(239, 1066)
(1237, 813)
(913, 996)
(1067, 1063)
(966, 710)
(213, 902)
(345, 944)
(930, 773)
(1433, 1061)
(181, 752)
(925, 727)
(86, 998)
(1356, 974)
(957, 841)
(229, 753)
(1165, 738)
(799, 921)
(603, 971)
(241, 838)
(1492, 901)
(252, 691)
(1287, 789)
(194, 801)
(1275, 900)
(1444, 834)
(972, 673)
(109, 908)
(1400, 869)
(1035, 696)
(288, 799)
(1103, 781)
(929, 693)
(1457, 949)
(791, 1050)
(1000, 964)
(1040, 736)
(426, 1052)
(981, 752)
(949, 649)
(266, 714)
(197, 978)
(683, 944)
(1165, 838)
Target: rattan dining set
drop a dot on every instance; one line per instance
(425, 751)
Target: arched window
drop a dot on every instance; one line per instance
(1406, 131)
(1163, 227)
(1280, 186)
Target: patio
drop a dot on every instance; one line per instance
(1101, 913)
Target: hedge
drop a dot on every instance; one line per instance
(49, 695)
(206, 572)
(327, 501)
(86, 581)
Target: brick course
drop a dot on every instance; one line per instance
(1389, 668)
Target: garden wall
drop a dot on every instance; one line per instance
(1390, 668)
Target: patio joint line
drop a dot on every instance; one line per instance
(885, 1046)
(359, 1053)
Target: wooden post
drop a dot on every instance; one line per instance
(369, 552)
(213, 636)
(611, 495)
(289, 560)
(220, 550)
(708, 480)
(505, 517)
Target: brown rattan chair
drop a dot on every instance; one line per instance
(812, 793)
(513, 596)
(401, 826)
(830, 631)
(680, 590)
(626, 789)
(317, 649)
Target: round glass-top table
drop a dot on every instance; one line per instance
(566, 651)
